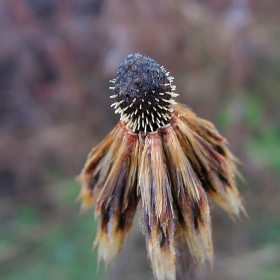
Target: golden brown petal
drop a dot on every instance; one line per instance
(215, 170)
(158, 214)
(203, 127)
(97, 166)
(207, 131)
(117, 202)
(194, 217)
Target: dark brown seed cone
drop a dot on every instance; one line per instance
(143, 93)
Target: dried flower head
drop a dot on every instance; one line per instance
(163, 157)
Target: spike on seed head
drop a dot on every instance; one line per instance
(142, 85)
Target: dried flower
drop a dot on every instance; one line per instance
(163, 157)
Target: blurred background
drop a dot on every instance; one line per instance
(56, 58)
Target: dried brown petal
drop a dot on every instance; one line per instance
(158, 215)
(207, 131)
(216, 171)
(194, 216)
(98, 165)
(117, 202)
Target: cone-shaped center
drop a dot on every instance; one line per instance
(143, 92)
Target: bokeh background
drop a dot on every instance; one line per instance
(56, 58)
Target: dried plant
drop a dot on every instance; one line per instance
(163, 157)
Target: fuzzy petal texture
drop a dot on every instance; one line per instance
(158, 217)
(117, 202)
(98, 165)
(194, 216)
(211, 159)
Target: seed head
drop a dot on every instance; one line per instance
(165, 159)
(144, 93)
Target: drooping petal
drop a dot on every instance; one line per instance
(117, 202)
(203, 127)
(195, 225)
(98, 165)
(194, 217)
(178, 162)
(158, 214)
(215, 171)
(207, 131)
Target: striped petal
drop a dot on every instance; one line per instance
(117, 202)
(98, 165)
(215, 171)
(158, 214)
(194, 217)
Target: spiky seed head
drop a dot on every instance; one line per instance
(143, 93)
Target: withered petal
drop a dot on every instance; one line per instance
(117, 202)
(194, 216)
(215, 171)
(195, 225)
(203, 128)
(207, 131)
(158, 214)
(98, 165)
(178, 163)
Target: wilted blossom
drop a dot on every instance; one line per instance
(164, 160)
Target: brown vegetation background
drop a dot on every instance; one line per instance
(56, 58)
